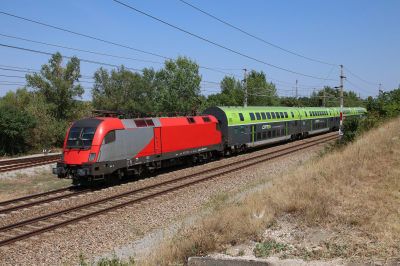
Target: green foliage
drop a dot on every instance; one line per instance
(387, 104)
(15, 128)
(178, 85)
(257, 84)
(266, 249)
(56, 84)
(350, 129)
(122, 89)
(114, 261)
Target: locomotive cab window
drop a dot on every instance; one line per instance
(110, 137)
(241, 117)
(258, 116)
(252, 117)
(80, 136)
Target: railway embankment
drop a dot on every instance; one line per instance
(341, 208)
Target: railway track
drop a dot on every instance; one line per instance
(16, 164)
(38, 225)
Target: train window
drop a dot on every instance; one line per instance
(241, 117)
(295, 123)
(273, 115)
(277, 115)
(268, 115)
(150, 122)
(263, 116)
(110, 137)
(191, 120)
(264, 135)
(259, 136)
(269, 134)
(282, 115)
(282, 132)
(305, 113)
(273, 133)
(258, 116)
(252, 116)
(206, 119)
(88, 133)
(278, 133)
(217, 127)
(286, 115)
(292, 114)
(73, 133)
(242, 129)
(140, 123)
(236, 130)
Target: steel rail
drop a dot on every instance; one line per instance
(14, 208)
(31, 159)
(143, 198)
(26, 165)
(37, 195)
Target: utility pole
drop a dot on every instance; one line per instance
(323, 102)
(296, 88)
(379, 90)
(245, 88)
(359, 99)
(341, 100)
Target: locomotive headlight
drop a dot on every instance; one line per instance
(92, 156)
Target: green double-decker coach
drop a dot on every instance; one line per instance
(245, 127)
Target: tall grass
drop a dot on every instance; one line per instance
(355, 189)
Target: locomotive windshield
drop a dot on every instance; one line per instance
(80, 137)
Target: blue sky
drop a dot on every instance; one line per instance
(361, 35)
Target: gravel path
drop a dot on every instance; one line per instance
(123, 229)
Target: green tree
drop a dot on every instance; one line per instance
(57, 84)
(178, 85)
(257, 85)
(122, 89)
(15, 129)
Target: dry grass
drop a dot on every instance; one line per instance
(355, 191)
(23, 184)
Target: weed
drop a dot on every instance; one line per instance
(241, 252)
(265, 249)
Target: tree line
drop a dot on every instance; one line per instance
(38, 115)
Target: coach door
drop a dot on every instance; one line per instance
(157, 140)
(252, 133)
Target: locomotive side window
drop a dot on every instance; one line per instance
(252, 116)
(286, 115)
(258, 116)
(268, 115)
(191, 120)
(263, 116)
(149, 122)
(206, 119)
(241, 117)
(110, 137)
(140, 123)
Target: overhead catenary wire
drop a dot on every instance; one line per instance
(360, 78)
(255, 37)
(357, 86)
(213, 43)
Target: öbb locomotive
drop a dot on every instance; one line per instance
(101, 149)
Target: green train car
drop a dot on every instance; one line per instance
(245, 127)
